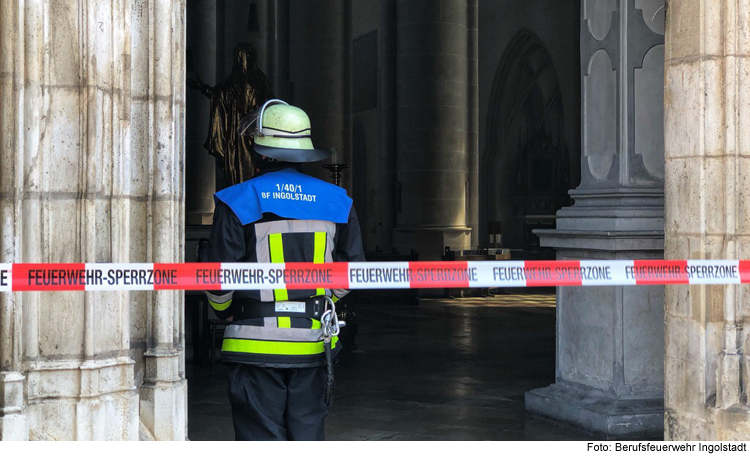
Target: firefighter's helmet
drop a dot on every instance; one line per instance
(282, 132)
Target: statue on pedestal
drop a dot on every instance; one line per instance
(245, 88)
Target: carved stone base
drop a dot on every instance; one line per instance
(163, 405)
(430, 242)
(90, 400)
(13, 426)
(598, 413)
(610, 341)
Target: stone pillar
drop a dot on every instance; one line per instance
(200, 166)
(433, 72)
(278, 48)
(387, 56)
(707, 96)
(320, 44)
(472, 134)
(65, 75)
(13, 411)
(610, 343)
(91, 172)
(158, 112)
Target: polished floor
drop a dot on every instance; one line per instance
(448, 369)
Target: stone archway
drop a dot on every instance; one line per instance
(525, 168)
(91, 167)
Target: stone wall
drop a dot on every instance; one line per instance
(91, 169)
(707, 143)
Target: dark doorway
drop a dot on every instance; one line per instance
(525, 171)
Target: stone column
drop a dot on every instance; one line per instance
(200, 167)
(278, 48)
(13, 418)
(320, 44)
(158, 140)
(707, 106)
(610, 343)
(472, 134)
(433, 71)
(91, 172)
(64, 156)
(387, 56)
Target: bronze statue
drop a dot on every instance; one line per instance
(247, 87)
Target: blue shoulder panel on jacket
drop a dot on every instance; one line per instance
(288, 194)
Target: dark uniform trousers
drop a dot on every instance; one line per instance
(277, 403)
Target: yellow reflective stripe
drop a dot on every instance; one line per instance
(315, 324)
(277, 249)
(334, 298)
(319, 254)
(220, 306)
(277, 257)
(274, 348)
(283, 322)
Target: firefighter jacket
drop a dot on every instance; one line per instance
(280, 215)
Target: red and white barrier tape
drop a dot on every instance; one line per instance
(367, 275)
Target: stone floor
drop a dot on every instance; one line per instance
(444, 370)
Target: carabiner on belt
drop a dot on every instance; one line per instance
(331, 327)
(330, 322)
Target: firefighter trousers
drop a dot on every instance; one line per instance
(277, 403)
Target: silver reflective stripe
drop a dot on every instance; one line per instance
(238, 331)
(340, 293)
(262, 230)
(220, 299)
(329, 253)
(264, 256)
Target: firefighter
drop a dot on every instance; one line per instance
(281, 343)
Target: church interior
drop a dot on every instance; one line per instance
(456, 129)
(605, 131)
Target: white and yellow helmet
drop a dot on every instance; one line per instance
(282, 132)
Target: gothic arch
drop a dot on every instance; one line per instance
(524, 168)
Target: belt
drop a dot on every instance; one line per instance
(312, 308)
